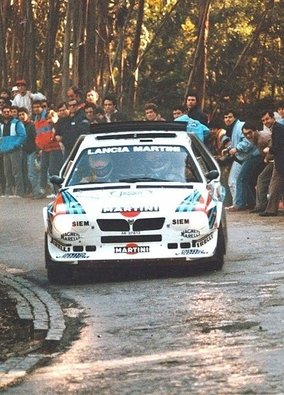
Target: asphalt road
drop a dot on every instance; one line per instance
(205, 333)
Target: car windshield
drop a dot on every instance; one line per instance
(130, 163)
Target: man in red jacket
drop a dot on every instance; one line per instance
(51, 153)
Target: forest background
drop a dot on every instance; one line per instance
(230, 51)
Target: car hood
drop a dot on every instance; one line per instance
(130, 201)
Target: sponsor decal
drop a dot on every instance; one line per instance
(190, 203)
(67, 204)
(190, 233)
(80, 223)
(109, 150)
(75, 255)
(70, 236)
(135, 148)
(60, 246)
(155, 148)
(130, 211)
(130, 193)
(212, 214)
(192, 251)
(203, 241)
(182, 221)
(131, 249)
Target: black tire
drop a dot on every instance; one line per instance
(57, 272)
(218, 258)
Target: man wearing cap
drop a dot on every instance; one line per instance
(14, 91)
(24, 97)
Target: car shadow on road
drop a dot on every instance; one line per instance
(137, 273)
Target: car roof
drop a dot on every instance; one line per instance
(134, 131)
(129, 130)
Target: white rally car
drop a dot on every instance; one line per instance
(135, 193)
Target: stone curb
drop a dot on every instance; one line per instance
(38, 306)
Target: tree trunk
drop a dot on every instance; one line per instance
(90, 43)
(48, 60)
(66, 50)
(197, 75)
(3, 60)
(30, 40)
(78, 40)
(134, 60)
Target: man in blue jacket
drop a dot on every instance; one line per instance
(238, 149)
(12, 137)
(194, 126)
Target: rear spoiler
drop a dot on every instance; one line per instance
(137, 126)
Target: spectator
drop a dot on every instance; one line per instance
(178, 111)
(24, 98)
(99, 115)
(276, 188)
(90, 113)
(112, 114)
(75, 93)
(252, 166)
(51, 154)
(62, 123)
(5, 94)
(14, 111)
(217, 142)
(151, 112)
(194, 126)
(237, 149)
(13, 135)
(2, 104)
(72, 127)
(30, 155)
(193, 109)
(92, 97)
(280, 111)
(62, 111)
(15, 91)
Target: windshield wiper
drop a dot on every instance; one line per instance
(141, 179)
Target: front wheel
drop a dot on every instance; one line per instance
(56, 272)
(218, 258)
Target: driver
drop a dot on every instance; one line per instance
(100, 168)
(157, 164)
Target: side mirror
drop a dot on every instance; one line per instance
(212, 175)
(56, 180)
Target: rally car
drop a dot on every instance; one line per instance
(135, 193)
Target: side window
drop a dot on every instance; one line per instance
(202, 164)
(203, 157)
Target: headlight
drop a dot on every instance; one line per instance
(62, 223)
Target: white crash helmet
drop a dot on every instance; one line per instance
(158, 162)
(101, 164)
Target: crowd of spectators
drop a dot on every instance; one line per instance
(36, 138)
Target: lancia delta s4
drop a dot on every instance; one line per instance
(135, 193)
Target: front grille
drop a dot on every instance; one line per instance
(130, 239)
(113, 225)
(123, 225)
(148, 224)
